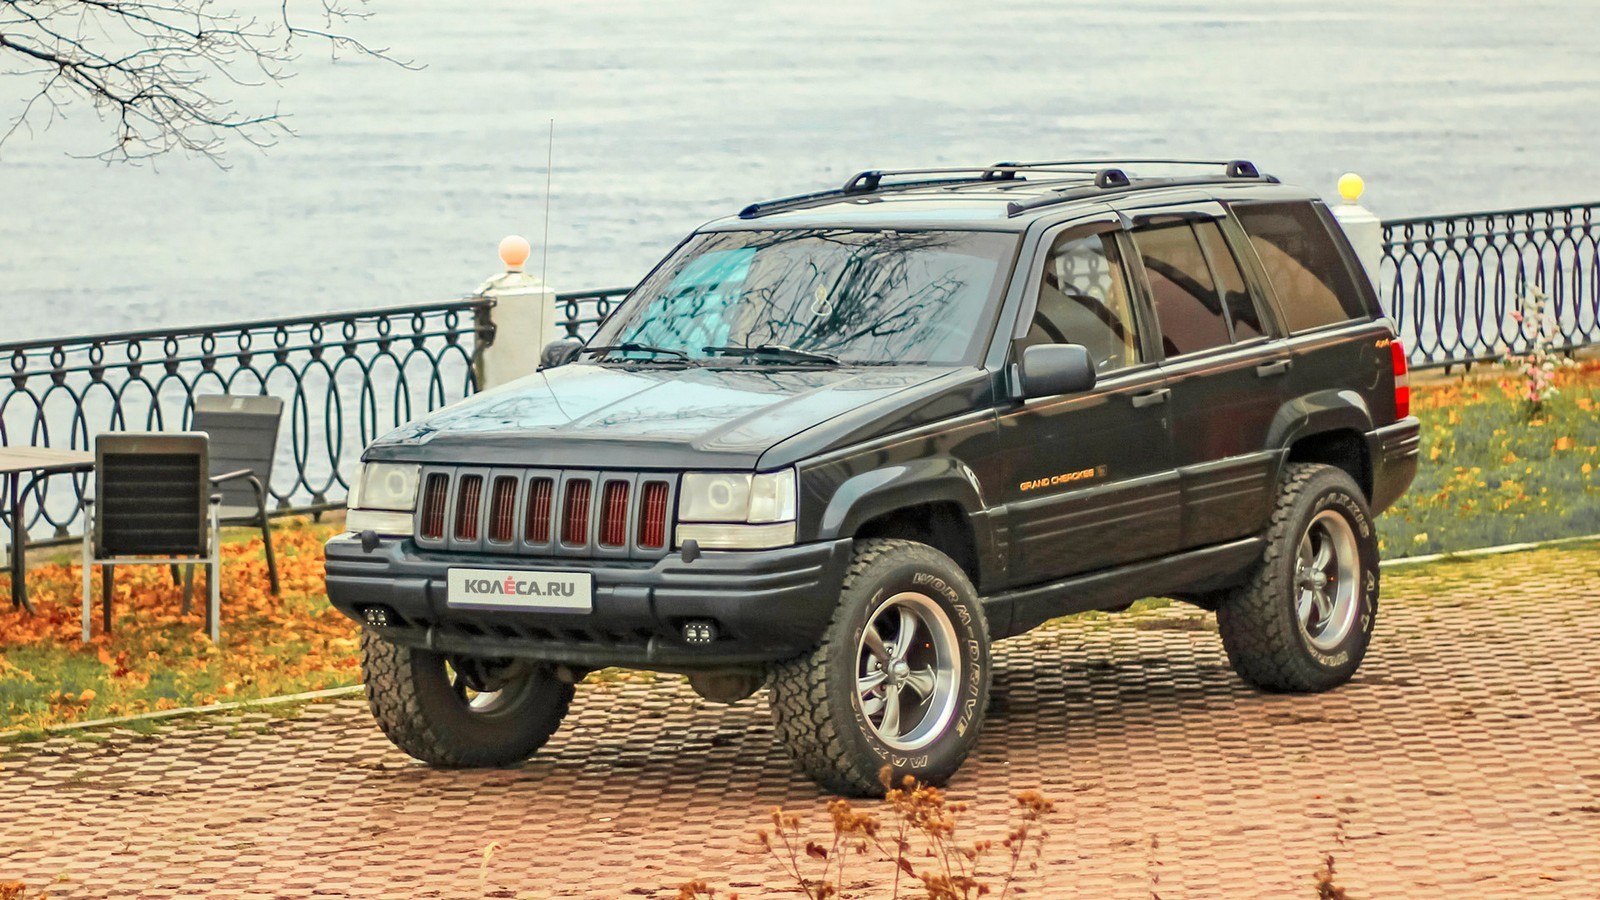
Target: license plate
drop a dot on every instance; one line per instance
(508, 589)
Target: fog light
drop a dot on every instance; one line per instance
(376, 616)
(700, 632)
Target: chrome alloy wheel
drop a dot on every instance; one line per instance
(1327, 580)
(908, 665)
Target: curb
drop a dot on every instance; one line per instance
(278, 700)
(1484, 551)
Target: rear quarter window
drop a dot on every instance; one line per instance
(1312, 279)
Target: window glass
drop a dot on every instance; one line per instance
(866, 297)
(1083, 299)
(1187, 306)
(1313, 283)
(1242, 315)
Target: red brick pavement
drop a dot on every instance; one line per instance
(1464, 760)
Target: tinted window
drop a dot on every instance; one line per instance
(1313, 283)
(1242, 315)
(864, 296)
(1187, 306)
(1083, 299)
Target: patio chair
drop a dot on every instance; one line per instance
(244, 440)
(153, 504)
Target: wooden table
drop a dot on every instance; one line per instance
(37, 463)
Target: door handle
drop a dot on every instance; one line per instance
(1267, 370)
(1151, 398)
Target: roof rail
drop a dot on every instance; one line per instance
(1116, 179)
(1103, 174)
(1231, 168)
(871, 181)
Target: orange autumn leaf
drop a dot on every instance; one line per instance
(1565, 442)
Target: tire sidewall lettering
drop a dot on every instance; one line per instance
(1349, 654)
(962, 726)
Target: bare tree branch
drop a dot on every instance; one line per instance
(148, 67)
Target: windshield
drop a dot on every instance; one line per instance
(816, 297)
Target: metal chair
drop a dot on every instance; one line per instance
(244, 440)
(152, 500)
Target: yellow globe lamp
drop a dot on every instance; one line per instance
(514, 251)
(1351, 186)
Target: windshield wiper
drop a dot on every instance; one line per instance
(776, 353)
(631, 347)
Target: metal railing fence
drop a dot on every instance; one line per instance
(1452, 283)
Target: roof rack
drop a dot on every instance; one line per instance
(1231, 168)
(1103, 174)
(871, 181)
(1117, 178)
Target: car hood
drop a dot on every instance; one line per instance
(601, 416)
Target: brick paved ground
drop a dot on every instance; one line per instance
(1464, 760)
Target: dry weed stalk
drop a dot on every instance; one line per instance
(920, 844)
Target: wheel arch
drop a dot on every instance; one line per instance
(1331, 428)
(932, 501)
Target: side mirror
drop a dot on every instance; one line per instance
(559, 353)
(1051, 369)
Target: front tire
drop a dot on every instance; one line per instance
(900, 678)
(1304, 620)
(460, 713)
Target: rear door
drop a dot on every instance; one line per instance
(1091, 474)
(1227, 376)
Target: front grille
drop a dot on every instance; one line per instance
(614, 515)
(543, 512)
(434, 497)
(575, 512)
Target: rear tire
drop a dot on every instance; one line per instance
(427, 705)
(1304, 619)
(899, 680)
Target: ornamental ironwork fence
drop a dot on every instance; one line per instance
(1454, 283)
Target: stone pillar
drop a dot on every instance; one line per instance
(524, 317)
(1364, 229)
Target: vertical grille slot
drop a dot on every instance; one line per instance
(468, 501)
(434, 495)
(537, 530)
(653, 516)
(614, 514)
(575, 515)
(503, 510)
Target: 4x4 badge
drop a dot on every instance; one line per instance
(1065, 478)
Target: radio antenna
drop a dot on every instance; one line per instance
(549, 162)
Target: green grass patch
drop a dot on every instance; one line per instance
(1492, 474)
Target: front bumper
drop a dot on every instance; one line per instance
(1394, 451)
(767, 605)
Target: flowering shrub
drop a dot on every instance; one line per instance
(1538, 366)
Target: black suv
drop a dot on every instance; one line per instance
(837, 444)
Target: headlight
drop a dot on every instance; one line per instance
(753, 512)
(391, 486)
(730, 497)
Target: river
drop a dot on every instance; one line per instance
(668, 114)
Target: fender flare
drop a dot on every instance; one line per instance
(1318, 413)
(868, 495)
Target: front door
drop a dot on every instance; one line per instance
(1092, 483)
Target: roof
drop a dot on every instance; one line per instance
(1000, 197)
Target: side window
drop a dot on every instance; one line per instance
(1312, 280)
(1187, 306)
(1243, 318)
(1083, 299)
